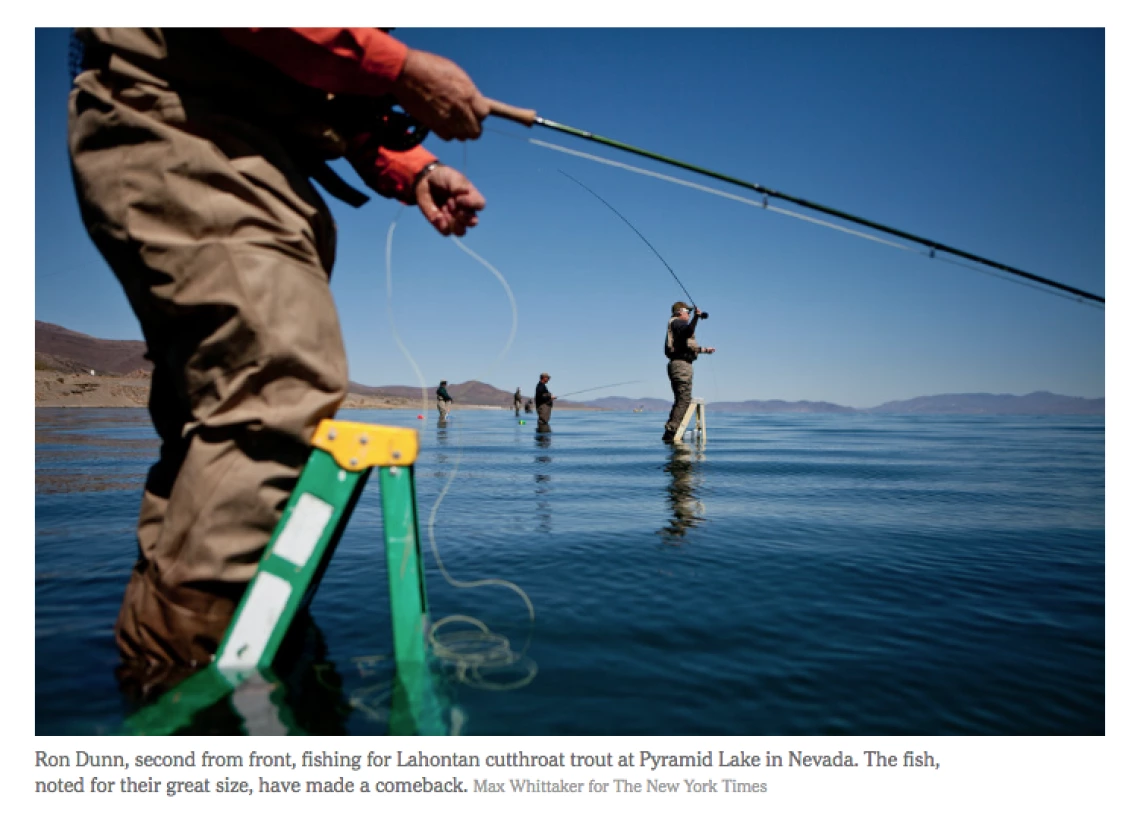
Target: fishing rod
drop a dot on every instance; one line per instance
(592, 388)
(529, 117)
(692, 302)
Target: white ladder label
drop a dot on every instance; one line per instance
(306, 525)
(263, 606)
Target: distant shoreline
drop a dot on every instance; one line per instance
(59, 390)
(62, 389)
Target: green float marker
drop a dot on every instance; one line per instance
(299, 550)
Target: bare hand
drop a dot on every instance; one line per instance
(449, 201)
(439, 94)
(709, 350)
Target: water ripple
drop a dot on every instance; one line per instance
(799, 574)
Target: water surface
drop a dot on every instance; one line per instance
(798, 575)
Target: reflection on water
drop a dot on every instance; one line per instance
(878, 571)
(683, 468)
(58, 440)
(63, 484)
(542, 481)
(302, 694)
(441, 458)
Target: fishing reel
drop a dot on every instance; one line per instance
(395, 129)
(701, 315)
(382, 118)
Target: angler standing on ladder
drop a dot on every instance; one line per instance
(192, 152)
(681, 349)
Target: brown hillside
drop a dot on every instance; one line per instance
(104, 356)
(60, 350)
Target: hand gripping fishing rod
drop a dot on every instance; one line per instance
(529, 117)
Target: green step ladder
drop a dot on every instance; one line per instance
(344, 453)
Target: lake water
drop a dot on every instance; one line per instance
(798, 575)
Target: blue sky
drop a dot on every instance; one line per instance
(992, 141)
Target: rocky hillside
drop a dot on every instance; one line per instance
(62, 350)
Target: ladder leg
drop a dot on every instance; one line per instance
(416, 703)
(699, 427)
(405, 565)
(680, 433)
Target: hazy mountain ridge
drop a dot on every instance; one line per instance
(622, 404)
(781, 406)
(62, 350)
(474, 393)
(618, 403)
(976, 403)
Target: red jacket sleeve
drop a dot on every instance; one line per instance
(341, 61)
(345, 61)
(389, 173)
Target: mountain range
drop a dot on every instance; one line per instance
(976, 403)
(63, 350)
(472, 393)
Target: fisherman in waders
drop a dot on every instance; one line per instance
(681, 349)
(442, 400)
(543, 401)
(192, 152)
(518, 400)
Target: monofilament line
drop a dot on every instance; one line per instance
(469, 651)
